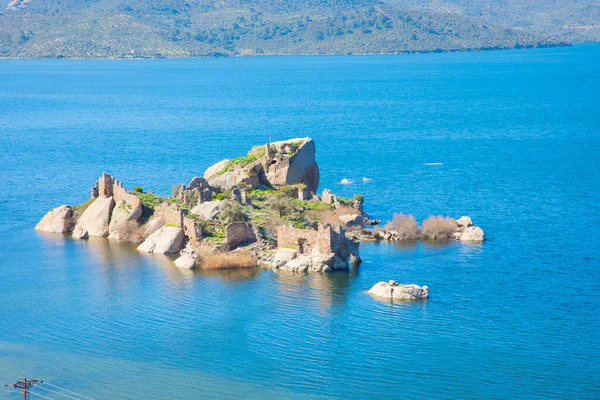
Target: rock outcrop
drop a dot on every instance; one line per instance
(153, 225)
(292, 161)
(209, 211)
(277, 164)
(393, 291)
(123, 222)
(352, 221)
(166, 240)
(59, 220)
(472, 234)
(95, 219)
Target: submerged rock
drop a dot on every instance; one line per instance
(95, 219)
(166, 240)
(393, 291)
(59, 220)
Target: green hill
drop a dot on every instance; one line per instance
(190, 28)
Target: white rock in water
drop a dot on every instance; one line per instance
(365, 179)
(166, 240)
(59, 220)
(393, 291)
(473, 234)
(345, 181)
(186, 261)
(464, 221)
(95, 218)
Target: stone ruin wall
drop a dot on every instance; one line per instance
(239, 233)
(173, 215)
(288, 236)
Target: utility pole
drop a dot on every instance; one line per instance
(24, 385)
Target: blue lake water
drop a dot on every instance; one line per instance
(517, 134)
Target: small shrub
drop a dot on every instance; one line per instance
(219, 196)
(281, 205)
(138, 189)
(149, 199)
(359, 198)
(232, 211)
(438, 227)
(290, 191)
(83, 206)
(227, 261)
(405, 225)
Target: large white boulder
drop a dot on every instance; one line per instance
(224, 176)
(351, 221)
(187, 259)
(473, 234)
(123, 221)
(59, 220)
(298, 264)
(208, 211)
(95, 219)
(153, 225)
(166, 240)
(464, 222)
(393, 291)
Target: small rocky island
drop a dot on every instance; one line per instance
(258, 209)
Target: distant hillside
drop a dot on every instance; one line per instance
(188, 28)
(570, 20)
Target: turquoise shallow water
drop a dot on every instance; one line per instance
(517, 135)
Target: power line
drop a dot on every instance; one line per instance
(56, 391)
(24, 386)
(43, 397)
(67, 390)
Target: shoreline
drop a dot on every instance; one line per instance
(415, 52)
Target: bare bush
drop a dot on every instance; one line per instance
(438, 227)
(405, 225)
(227, 260)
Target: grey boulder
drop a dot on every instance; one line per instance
(59, 220)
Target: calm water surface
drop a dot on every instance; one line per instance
(517, 134)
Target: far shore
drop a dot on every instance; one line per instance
(219, 55)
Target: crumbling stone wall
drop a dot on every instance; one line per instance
(239, 233)
(122, 194)
(326, 239)
(172, 214)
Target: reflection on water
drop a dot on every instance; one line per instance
(230, 274)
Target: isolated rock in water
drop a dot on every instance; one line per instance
(352, 221)
(166, 240)
(208, 211)
(59, 220)
(153, 225)
(473, 234)
(123, 221)
(393, 291)
(187, 258)
(225, 176)
(291, 161)
(95, 219)
(464, 222)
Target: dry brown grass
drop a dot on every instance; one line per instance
(438, 227)
(227, 261)
(405, 225)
